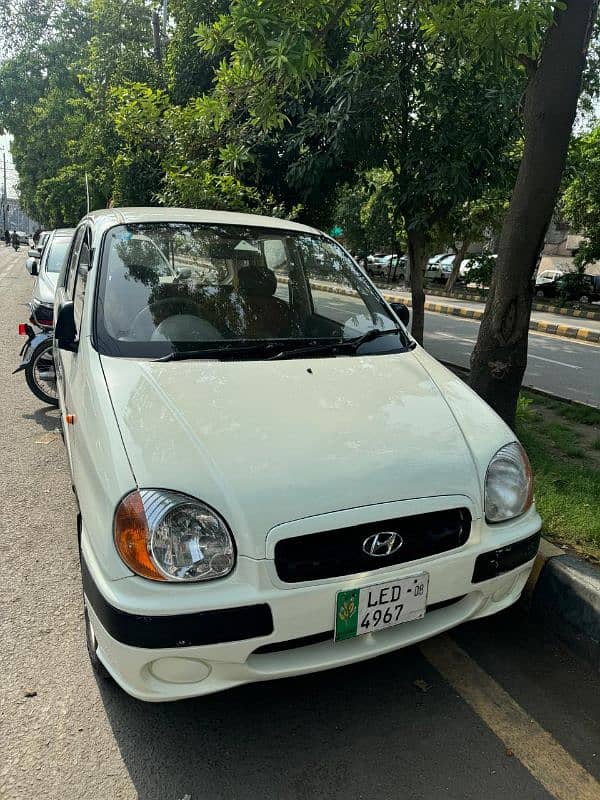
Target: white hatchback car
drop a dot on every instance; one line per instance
(272, 477)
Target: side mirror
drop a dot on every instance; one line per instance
(33, 253)
(64, 330)
(402, 312)
(31, 265)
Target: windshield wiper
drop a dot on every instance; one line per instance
(222, 353)
(338, 346)
(374, 333)
(282, 349)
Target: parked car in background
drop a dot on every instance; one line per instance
(390, 266)
(46, 269)
(439, 267)
(571, 286)
(42, 240)
(23, 237)
(191, 404)
(548, 276)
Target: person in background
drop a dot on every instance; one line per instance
(15, 240)
(7, 238)
(36, 236)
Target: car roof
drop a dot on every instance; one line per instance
(108, 217)
(63, 231)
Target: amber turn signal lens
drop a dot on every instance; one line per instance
(131, 537)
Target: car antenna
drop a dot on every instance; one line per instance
(87, 193)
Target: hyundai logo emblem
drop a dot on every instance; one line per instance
(382, 544)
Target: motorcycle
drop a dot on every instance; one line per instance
(38, 361)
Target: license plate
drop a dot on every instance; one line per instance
(383, 605)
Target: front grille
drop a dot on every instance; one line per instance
(332, 554)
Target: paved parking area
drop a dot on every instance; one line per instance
(498, 710)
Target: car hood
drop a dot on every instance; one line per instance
(267, 442)
(45, 287)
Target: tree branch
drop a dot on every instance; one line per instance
(334, 19)
(529, 63)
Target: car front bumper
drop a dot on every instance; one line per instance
(158, 646)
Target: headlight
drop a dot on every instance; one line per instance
(508, 484)
(164, 535)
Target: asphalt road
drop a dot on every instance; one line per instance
(564, 367)
(499, 710)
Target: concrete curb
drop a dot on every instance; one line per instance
(563, 592)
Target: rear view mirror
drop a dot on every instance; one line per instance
(33, 253)
(65, 332)
(31, 265)
(402, 312)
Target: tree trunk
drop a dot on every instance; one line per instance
(417, 255)
(458, 259)
(499, 359)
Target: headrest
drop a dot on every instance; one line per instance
(257, 281)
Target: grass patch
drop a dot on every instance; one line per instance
(564, 454)
(563, 438)
(579, 413)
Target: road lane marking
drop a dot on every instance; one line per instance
(472, 341)
(552, 361)
(449, 336)
(548, 762)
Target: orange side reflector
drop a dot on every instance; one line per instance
(70, 419)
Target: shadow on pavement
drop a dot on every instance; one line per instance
(46, 417)
(364, 731)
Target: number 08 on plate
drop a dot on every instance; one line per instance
(383, 605)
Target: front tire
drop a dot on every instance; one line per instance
(41, 375)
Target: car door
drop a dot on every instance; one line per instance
(72, 290)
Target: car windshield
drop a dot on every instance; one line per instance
(180, 288)
(57, 253)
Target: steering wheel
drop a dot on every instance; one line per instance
(192, 306)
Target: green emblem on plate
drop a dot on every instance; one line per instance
(346, 617)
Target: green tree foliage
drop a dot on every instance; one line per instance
(365, 211)
(56, 96)
(581, 198)
(380, 84)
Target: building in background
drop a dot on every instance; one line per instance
(12, 215)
